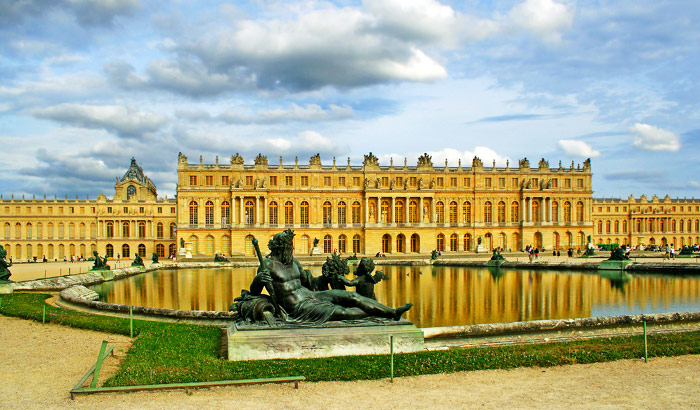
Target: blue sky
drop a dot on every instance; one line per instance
(85, 85)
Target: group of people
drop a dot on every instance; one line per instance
(669, 252)
(532, 253)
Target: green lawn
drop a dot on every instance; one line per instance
(177, 353)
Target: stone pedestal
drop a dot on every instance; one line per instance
(614, 265)
(183, 252)
(315, 251)
(246, 342)
(480, 248)
(188, 255)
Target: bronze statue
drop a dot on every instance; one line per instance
(364, 282)
(182, 242)
(100, 263)
(316, 242)
(283, 273)
(154, 258)
(220, 258)
(687, 250)
(434, 255)
(4, 272)
(618, 254)
(497, 255)
(137, 260)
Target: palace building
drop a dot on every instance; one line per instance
(364, 209)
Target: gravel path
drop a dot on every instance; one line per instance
(41, 363)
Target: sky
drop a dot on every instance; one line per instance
(86, 85)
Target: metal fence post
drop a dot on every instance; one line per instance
(392, 358)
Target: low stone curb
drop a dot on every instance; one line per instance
(492, 329)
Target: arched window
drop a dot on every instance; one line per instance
(503, 242)
(209, 241)
(249, 248)
(130, 192)
(555, 211)
(82, 231)
(249, 212)
(28, 228)
(440, 243)
(272, 211)
(61, 232)
(356, 243)
(209, 213)
(600, 226)
(327, 213)
(159, 230)
(93, 230)
(567, 212)
(356, 213)
(8, 229)
(109, 251)
(515, 212)
(327, 244)
(617, 226)
(342, 213)
(341, 243)
(194, 240)
(607, 226)
(226, 245)
(385, 212)
(110, 229)
(142, 250)
(171, 249)
(288, 213)
(555, 241)
(160, 250)
(453, 212)
(624, 226)
(400, 243)
(226, 213)
(454, 240)
(536, 211)
(413, 212)
(440, 212)
(125, 229)
(386, 243)
(399, 211)
(415, 243)
(142, 229)
(172, 230)
(305, 244)
(579, 212)
(18, 230)
(40, 232)
(487, 212)
(304, 210)
(194, 210)
(71, 230)
(126, 252)
(467, 212)
(681, 225)
(467, 242)
(501, 212)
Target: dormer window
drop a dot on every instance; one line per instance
(130, 191)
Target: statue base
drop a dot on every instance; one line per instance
(248, 342)
(183, 252)
(480, 248)
(614, 265)
(188, 255)
(495, 263)
(315, 251)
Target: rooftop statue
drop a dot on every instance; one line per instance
(4, 272)
(292, 297)
(236, 159)
(370, 159)
(315, 159)
(261, 160)
(425, 160)
(476, 163)
(100, 263)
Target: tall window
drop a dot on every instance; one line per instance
(249, 212)
(386, 243)
(341, 243)
(194, 210)
(415, 243)
(327, 213)
(399, 211)
(440, 243)
(385, 212)
(440, 212)
(555, 212)
(142, 229)
(110, 229)
(413, 212)
(454, 239)
(327, 244)
(8, 229)
(579, 212)
(125, 229)
(159, 230)
(342, 214)
(272, 210)
(61, 232)
(29, 233)
(536, 214)
(109, 251)
(304, 213)
(209, 213)
(82, 230)
(400, 243)
(225, 213)
(71, 230)
(356, 212)
(453, 212)
(356, 243)
(487, 212)
(40, 231)
(467, 242)
(567, 211)
(142, 250)
(501, 212)
(514, 212)
(126, 252)
(288, 213)
(467, 212)
(160, 250)
(172, 230)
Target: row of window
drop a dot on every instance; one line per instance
(72, 209)
(30, 233)
(385, 216)
(62, 251)
(651, 226)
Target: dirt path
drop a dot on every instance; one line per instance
(40, 364)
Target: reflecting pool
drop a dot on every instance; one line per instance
(442, 296)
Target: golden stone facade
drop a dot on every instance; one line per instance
(134, 221)
(373, 209)
(364, 209)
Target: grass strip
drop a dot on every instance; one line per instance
(181, 353)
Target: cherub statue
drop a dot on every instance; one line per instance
(364, 281)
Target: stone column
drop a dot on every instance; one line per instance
(432, 210)
(420, 210)
(529, 209)
(366, 213)
(393, 210)
(242, 222)
(549, 209)
(266, 212)
(407, 201)
(257, 210)
(542, 210)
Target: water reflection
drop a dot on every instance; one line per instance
(442, 296)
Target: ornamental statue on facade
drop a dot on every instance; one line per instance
(261, 160)
(524, 163)
(425, 160)
(476, 163)
(236, 159)
(315, 160)
(370, 160)
(543, 164)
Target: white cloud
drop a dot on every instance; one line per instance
(651, 138)
(544, 18)
(308, 113)
(419, 20)
(577, 149)
(125, 121)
